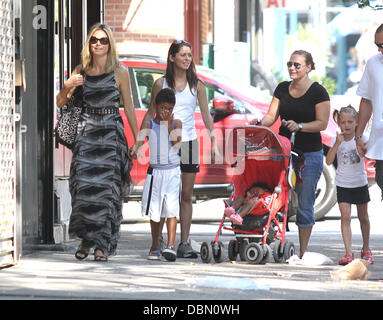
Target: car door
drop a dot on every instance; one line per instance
(220, 171)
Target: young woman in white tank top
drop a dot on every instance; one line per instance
(181, 76)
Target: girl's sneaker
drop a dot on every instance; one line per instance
(367, 256)
(346, 259)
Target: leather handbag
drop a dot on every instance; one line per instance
(66, 127)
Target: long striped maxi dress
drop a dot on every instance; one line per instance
(100, 168)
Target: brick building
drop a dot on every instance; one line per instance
(148, 26)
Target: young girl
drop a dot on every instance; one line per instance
(181, 77)
(351, 181)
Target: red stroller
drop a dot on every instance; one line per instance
(259, 156)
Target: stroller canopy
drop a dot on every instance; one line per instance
(259, 143)
(259, 155)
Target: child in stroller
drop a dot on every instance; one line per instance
(254, 202)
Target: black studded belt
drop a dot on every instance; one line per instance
(100, 111)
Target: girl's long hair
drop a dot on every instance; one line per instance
(191, 73)
(86, 56)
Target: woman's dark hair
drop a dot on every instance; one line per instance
(191, 73)
(165, 95)
(308, 57)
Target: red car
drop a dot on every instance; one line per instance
(230, 105)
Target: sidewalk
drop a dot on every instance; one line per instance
(58, 275)
(48, 274)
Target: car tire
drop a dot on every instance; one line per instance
(326, 192)
(325, 195)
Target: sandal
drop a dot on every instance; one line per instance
(82, 252)
(348, 258)
(100, 257)
(367, 255)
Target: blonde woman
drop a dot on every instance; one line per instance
(100, 168)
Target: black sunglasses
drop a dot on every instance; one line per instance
(296, 65)
(104, 41)
(379, 45)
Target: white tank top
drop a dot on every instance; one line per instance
(186, 102)
(162, 153)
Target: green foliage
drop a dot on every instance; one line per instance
(327, 82)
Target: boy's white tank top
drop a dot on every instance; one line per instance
(184, 108)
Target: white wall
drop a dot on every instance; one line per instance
(231, 58)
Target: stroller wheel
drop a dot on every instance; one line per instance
(278, 251)
(288, 250)
(242, 249)
(232, 250)
(254, 253)
(217, 249)
(206, 252)
(267, 253)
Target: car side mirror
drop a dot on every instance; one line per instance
(223, 104)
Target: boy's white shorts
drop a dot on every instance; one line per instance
(161, 194)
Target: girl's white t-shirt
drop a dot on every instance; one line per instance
(351, 171)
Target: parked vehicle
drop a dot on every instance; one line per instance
(231, 104)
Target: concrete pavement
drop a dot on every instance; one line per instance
(54, 274)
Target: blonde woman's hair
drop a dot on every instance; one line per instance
(86, 56)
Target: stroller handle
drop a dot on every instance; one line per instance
(292, 138)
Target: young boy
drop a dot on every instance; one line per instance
(257, 197)
(161, 193)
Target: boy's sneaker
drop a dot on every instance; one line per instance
(154, 254)
(367, 256)
(346, 259)
(185, 250)
(169, 253)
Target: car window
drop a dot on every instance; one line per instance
(213, 91)
(144, 80)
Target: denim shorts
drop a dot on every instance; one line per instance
(306, 190)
